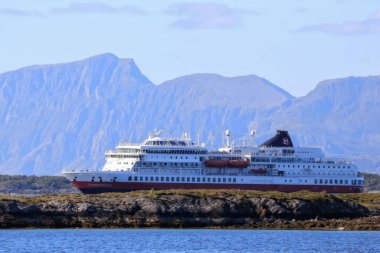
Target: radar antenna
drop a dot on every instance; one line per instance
(227, 133)
(252, 134)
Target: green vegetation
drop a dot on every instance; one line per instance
(34, 185)
(367, 199)
(225, 193)
(370, 200)
(372, 182)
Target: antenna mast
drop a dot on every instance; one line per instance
(252, 137)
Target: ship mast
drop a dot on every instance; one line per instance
(252, 137)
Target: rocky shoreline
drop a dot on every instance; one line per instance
(194, 209)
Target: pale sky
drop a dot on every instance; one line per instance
(294, 44)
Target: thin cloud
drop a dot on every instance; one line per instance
(97, 7)
(206, 16)
(73, 8)
(19, 13)
(366, 26)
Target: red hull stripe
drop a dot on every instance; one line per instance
(96, 187)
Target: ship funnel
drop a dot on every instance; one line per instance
(281, 139)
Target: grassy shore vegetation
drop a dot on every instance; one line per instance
(369, 200)
(372, 182)
(35, 184)
(59, 184)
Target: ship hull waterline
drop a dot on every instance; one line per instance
(101, 187)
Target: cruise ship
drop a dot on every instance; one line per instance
(163, 162)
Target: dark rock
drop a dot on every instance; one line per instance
(179, 210)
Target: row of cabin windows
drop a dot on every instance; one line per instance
(340, 181)
(182, 179)
(319, 173)
(314, 166)
(162, 164)
(167, 164)
(162, 151)
(172, 157)
(167, 143)
(125, 156)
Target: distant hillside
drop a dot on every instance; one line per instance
(342, 115)
(65, 116)
(347, 108)
(372, 182)
(35, 185)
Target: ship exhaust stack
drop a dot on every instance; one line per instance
(281, 139)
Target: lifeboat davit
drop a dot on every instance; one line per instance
(216, 163)
(238, 163)
(259, 171)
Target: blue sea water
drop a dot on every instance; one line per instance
(186, 240)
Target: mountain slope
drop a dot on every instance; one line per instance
(65, 116)
(344, 112)
(57, 115)
(200, 103)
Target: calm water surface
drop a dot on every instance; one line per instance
(183, 240)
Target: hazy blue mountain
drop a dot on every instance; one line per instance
(346, 110)
(62, 116)
(67, 115)
(202, 102)
(343, 115)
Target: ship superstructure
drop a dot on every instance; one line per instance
(177, 163)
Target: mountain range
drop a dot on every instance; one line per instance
(65, 116)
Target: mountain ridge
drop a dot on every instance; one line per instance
(64, 116)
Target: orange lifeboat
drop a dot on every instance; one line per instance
(238, 163)
(216, 163)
